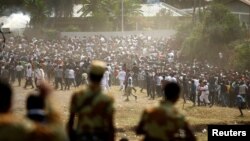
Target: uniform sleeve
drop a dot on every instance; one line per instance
(73, 103)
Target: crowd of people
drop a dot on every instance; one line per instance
(135, 62)
(91, 115)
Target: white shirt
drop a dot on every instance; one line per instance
(71, 74)
(171, 79)
(39, 73)
(122, 75)
(158, 80)
(204, 89)
(105, 78)
(168, 78)
(196, 82)
(130, 81)
(141, 75)
(106, 75)
(19, 68)
(109, 68)
(29, 72)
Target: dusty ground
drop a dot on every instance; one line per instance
(128, 113)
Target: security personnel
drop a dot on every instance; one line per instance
(12, 128)
(164, 123)
(93, 109)
(48, 126)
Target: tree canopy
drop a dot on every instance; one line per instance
(102, 11)
(242, 55)
(212, 34)
(110, 11)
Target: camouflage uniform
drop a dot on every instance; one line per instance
(93, 109)
(96, 118)
(11, 129)
(162, 123)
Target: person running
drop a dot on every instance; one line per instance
(129, 88)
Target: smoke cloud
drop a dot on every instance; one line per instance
(15, 21)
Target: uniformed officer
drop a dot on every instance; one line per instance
(47, 126)
(12, 128)
(164, 123)
(94, 109)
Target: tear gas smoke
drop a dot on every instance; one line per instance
(15, 21)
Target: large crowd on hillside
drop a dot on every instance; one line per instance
(136, 60)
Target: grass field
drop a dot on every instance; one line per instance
(128, 114)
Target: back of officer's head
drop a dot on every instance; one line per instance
(172, 91)
(5, 96)
(96, 71)
(35, 102)
(35, 106)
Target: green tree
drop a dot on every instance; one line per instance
(60, 8)
(213, 34)
(90, 6)
(38, 11)
(110, 10)
(131, 11)
(10, 6)
(242, 55)
(221, 25)
(184, 3)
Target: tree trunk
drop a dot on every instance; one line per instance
(194, 10)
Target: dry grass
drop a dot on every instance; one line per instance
(128, 113)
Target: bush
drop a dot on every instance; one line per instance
(72, 28)
(242, 55)
(217, 29)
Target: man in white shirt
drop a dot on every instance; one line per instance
(29, 74)
(158, 84)
(129, 88)
(204, 93)
(39, 75)
(105, 80)
(121, 76)
(109, 68)
(71, 78)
